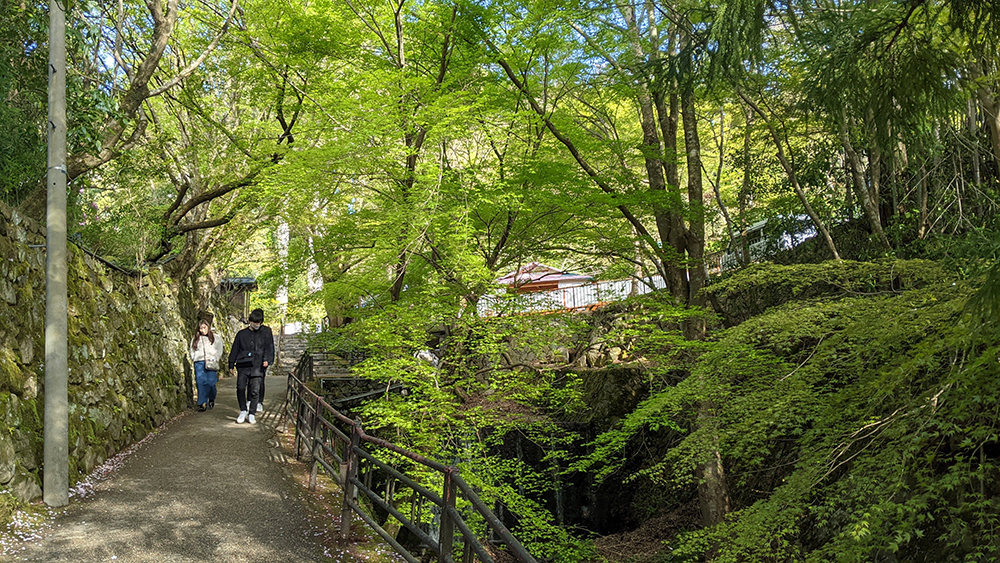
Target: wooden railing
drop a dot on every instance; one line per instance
(337, 445)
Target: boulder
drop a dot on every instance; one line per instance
(8, 458)
(25, 487)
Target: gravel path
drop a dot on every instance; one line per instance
(202, 488)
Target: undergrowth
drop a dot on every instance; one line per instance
(857, 420)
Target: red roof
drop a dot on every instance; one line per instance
(536, 272)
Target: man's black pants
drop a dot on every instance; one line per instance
(248, 389)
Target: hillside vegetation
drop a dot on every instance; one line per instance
(851, 407)
(856, 414)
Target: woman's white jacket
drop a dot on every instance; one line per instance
(206, 349)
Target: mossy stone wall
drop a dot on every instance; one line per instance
(127, 357)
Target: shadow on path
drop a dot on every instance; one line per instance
(203, 488)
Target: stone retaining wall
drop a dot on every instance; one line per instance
(127, 357)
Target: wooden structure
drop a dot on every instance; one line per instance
(584, 296)
(237, 292)
(539, 277)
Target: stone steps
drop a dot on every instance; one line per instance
(291, 348)
(326, 365)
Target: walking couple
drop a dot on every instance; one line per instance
(252, 352)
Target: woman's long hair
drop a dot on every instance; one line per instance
(197, 333)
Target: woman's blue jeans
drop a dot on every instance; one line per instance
(206, 381)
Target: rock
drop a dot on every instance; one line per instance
(30, 387)
(562, 354)
(25, 454)
(25, 487)
(8, 460)
(10, 372)
(595, 358)
(115, 428)
(614, 354)
(25, 294)
(27, 347)
(12, 411)
(89, 461)
(122, 378)
(8, 293)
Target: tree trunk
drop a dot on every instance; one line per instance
(977, 176)
(792, 177)
(713, 493)
(654, 174)
(875, 164)
(849, 185)
(399, 274)
(668, 118)
(991, 111)
(696, 203)
(868, 203)
(922, 202)
(668, 223)
(745, 190)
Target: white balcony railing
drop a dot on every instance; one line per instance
(734, 259)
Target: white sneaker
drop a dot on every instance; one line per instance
(242, 417)
(252, 419)
(260, 407)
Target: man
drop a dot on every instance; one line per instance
(251, 353)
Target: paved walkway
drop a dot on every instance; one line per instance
(201, 489)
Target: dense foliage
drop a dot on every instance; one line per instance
(845, 437)
(377, 166)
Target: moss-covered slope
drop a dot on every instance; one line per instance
(856, 413)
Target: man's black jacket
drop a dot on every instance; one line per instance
(251, 348)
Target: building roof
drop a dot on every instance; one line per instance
(243, 283)
(536, 272)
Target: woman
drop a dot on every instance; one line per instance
(206, 351)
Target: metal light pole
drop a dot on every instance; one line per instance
(55, 486)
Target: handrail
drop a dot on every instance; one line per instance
(339, 452)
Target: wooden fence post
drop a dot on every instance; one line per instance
(297, 444)
(350, 492)
(316, 448)
(447, 537)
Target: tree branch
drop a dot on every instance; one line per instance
(212, 194)
(197, 62)
(594, 176)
